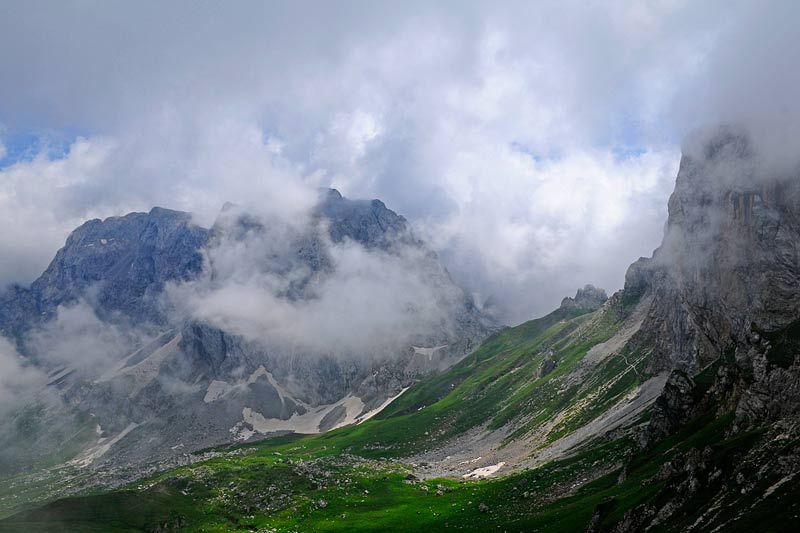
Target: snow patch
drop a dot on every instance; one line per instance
(282, 392)
(218, 389)
(486, 471)
(308, 423)
(429, 352)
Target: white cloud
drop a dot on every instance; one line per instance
(193, 165)
(19, 381)
(497, 128)
(78, 339)
(370, 303)
(534, 236)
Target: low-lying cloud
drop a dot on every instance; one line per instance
(78, 340)
(343, 299)
(20, 382)
(534, 144)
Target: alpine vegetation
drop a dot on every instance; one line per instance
(418, 267)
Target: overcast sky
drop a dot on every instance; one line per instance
(533, 144)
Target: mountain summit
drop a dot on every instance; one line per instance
(589, 298)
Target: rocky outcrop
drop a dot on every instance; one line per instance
(588, 298)
(548, 365)
(673, 408)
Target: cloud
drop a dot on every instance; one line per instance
(749, 78)
(533, 143)
(350, 301)
(77, 339)
(546, 225)
(162, 161)
(19, 381)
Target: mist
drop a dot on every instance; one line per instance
(533, 146)
(287, 286)
(20, 382)
(80, 341)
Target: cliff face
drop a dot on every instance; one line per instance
(729, 263)
(724, 323)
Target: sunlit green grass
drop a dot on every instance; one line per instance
(356, 478)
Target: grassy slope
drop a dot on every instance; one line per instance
(318, 483)
(503, 372)
(243, 493)
(280, 484)
(499, 383)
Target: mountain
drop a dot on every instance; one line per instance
(170, 380)
(673, 405)
(126, 261)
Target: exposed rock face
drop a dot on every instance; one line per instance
(120, 263)
(726, 274)
(129, 258)
(588, 298)
(548, 365)
(368, 222)
(730, 258)
(725, 287)
(673, 408)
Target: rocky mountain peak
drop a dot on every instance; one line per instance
(125, 261)
(587, 298)
(368, 222)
